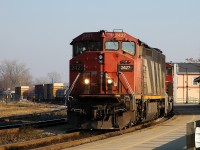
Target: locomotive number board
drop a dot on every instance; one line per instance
(77, 67)
(125, 67)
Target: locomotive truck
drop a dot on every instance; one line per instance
(116, 81)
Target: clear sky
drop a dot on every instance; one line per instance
(38, 32)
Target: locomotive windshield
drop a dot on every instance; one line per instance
(127, 46)
(110, 45)
(80, 47)
(168, 71)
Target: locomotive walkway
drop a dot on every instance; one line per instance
(168, 135)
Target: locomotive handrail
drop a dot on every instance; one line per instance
(71, 88)
(128, 85)
(114, 30)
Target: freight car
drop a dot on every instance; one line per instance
(21, 92)
(116, 81)
(48, 92)
(169, 83)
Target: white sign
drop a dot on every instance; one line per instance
(197, 137)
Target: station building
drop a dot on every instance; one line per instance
(186, 86)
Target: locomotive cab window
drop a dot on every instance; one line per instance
(80, 47)
(129, 47)
(169, 71)
(111, 45)
(94, 46)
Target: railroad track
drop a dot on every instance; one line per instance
(36, 119)
(34, 124)
(76, 138)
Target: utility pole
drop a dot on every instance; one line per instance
(186, 85)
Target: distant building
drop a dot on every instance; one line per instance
(7, 95)
(186, 88)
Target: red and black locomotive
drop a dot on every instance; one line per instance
(116, 81)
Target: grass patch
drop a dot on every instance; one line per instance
(21, 108)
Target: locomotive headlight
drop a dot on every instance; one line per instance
(110, 85)
(110, 81)
(86, 81)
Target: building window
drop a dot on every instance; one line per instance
(194, 83)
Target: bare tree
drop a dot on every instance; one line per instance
(54, 77)
(14, 74)
(41, 80)
(192, 60)
(1, 84)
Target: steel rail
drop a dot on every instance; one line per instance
(34, 123)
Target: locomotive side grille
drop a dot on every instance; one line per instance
(149, 52)
(153, 74)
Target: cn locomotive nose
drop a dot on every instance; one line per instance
(116, 81)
